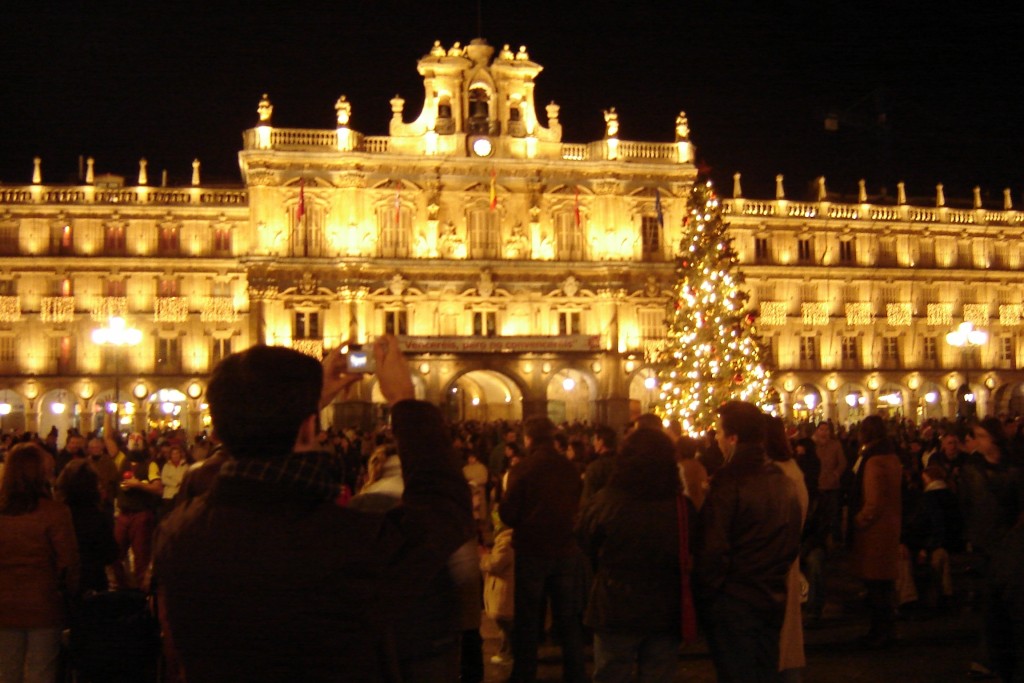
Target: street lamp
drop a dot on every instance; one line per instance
(117, 334)
(966, 338)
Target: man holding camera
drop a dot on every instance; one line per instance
(265, 578)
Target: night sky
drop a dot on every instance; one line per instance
(923, 92)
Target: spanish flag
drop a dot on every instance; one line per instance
(494, 191)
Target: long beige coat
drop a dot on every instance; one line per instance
(791, 640)
(498, 567)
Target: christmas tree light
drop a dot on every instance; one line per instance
(713, 353)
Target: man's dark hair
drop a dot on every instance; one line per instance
(646, 466)
(540, 430)
(743, 420)
(649, 421)
(607, 435)
(259, 397)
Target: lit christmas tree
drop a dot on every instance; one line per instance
(712, 353)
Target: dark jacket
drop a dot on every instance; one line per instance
(632, 541)
(266, 583)
(541, 503)
(749, 531)
(596, 476)
(990, 499)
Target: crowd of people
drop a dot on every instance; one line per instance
(276, 550)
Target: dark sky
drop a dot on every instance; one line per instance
(924, 92)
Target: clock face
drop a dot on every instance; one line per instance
(482, 147)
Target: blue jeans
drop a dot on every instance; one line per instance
(743, 641)
(653, 656)
(29, 655)
(562, 579)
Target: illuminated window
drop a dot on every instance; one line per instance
(62, 287)
(1007, 351)
(220, 288)
(7, 346)
(847, 252)
(851, 348)
(219, 349)
(62, 239)
(964, 257)
(168, 286)
(808, 348)
(114, 288)
(8, 288)
(652, 323)
(61, 351)
(891, 349)
(651, 238)
(762, 253)
(306, 325)
(169, 241)
(887, 252)
(222, 240)
(395, 227)
(485, 323)
(805, 250)
(568, 322)
(168, 354)
(114, 242)
(8, 239)
(483, 234)
(930, 349)
(926, 257)
(568, 237)
(394, 322)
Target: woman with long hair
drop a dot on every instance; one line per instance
(631, 533)
(876, 511)
(38, 560)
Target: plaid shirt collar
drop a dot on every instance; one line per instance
(310, 473)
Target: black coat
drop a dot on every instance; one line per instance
(749, 531)
(267, 583)
(633, 545)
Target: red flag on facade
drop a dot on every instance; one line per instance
(301, 210)
(494, 192)
(576, 207)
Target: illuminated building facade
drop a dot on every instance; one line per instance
(856, 300)
(525, 275)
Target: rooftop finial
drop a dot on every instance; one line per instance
(1007, 200)
(195, 171)
(901, 193)
(143, 176)
(37, 170)
(780, 193)
(977, 197)
(682, 127)
(940, 195)
(344, 109)
(265, 110)
(90, 171)
(611, 122)
(862, 191)
(737, 189)
(822, 192)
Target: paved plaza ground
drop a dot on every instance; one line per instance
(930, 648)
